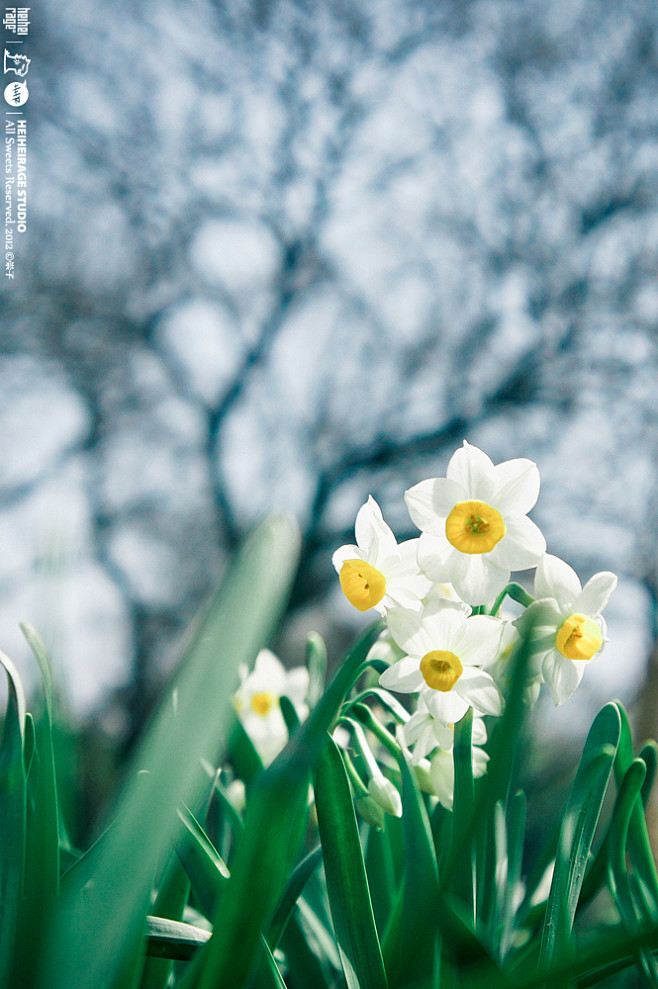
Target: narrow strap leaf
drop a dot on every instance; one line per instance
(577, 833)
(349, 896)
(12, 815)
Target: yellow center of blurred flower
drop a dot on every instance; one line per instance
(578, 637)
(262, 703)
(474, 527)
(363, 585)
(441, 669)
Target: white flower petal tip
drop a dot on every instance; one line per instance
(385, 795)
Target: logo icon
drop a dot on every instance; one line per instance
(18, 64)
(16, 93)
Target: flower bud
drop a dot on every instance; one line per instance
(385, 794)
(370, 811)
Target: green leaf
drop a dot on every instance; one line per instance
(206, 870)
(173, 893)
(577, 832)
(43, 838)
(620, 885)
(291, 893)
(639, 845)
(316, 662)
(411, 954)
(12, 816)
(95, 928)
(349, 896)
(274, 822)
(172, 939)
(463, 851)
(243, 755)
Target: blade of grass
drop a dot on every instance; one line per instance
(275, 819)
(12, 815)
(93, 932)
(463, 852)
(415, 947)
(639, 845)
(349, 896)
(620, 885)
(173, 939)
(43, 838)
(291, 893)
(577, 833)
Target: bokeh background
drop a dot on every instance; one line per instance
(286, 254)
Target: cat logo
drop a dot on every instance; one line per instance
(18, 64)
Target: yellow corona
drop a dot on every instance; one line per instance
(474, 527)
(578, 637)
(363, 585)
(262, 703)
(441, 669)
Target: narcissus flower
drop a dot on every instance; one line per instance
(377, 572)
(423, 732)
(445, 651)
(474, 524)
(257, 702)
(567, 623)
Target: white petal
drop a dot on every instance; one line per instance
(415, 726)
(480, 761)
(444, 735)
(522, 546)
(468, 466)
(480, 580)
(426, 502)
(344, 553)
(426, 742)
(404, 625)
(446, 706)
(479, 642)
(478, 732)
(269, 670)
(404, 677)
(443, 625)
(562, 675)
(434, 557)
(595, 594)
(406, 559)
(442, 772)
(515, 486)
(296, 685)
(556, 579)
(479, 690)
(373, 535)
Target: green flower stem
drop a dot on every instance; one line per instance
(516, 592)
(359, 787)
(367, 718)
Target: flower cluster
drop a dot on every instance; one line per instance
(441, 595)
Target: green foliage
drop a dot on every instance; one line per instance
(182, 889)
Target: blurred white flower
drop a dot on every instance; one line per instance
(378, 572)
(257, 702)
(475, 525)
